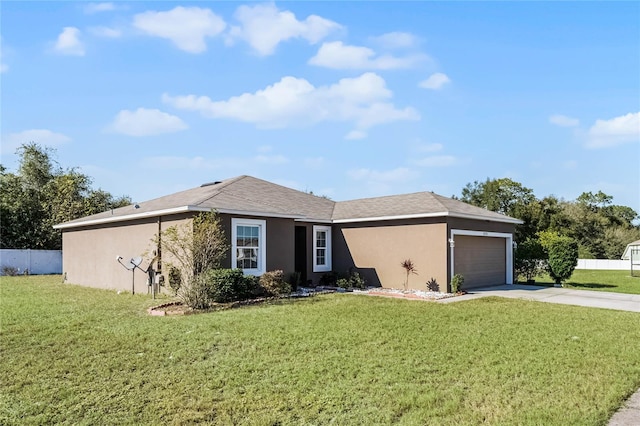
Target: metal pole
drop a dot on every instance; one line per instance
(133, 281)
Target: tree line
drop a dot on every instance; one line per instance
(600, 228)
(41, 194)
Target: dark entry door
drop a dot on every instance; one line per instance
(301, 253)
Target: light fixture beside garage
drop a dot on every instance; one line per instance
(452, 243)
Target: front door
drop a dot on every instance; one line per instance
(301, 253)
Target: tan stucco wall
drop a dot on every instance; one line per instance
(377, 250)
(89, 254)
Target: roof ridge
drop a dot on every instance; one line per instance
(219, 187)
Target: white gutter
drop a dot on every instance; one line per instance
(165, 212)
(427, 215)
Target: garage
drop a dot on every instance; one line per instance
(482, 260)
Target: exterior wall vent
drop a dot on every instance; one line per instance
(210, 183)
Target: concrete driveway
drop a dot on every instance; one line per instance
(565, 296)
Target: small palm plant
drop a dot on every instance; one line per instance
(410, 268)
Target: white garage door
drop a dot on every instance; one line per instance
(481, 260)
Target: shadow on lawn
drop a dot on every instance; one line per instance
(591, 285)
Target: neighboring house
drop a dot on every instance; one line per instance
(274, 227)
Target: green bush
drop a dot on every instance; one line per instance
(195, 293)
(227, 285)
(329, 279)
(356, 280)
(529, 259)
(295, 279)
(456, 283)
(343, 283)
(563, 258)
(274, 284)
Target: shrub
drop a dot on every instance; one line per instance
(432, 285)
(456, 283)
(175, 279)
(227, 285)
(274, 284)
(252, 287)
(529, 259)
(295, 279)
(343, 283)
(563, 258)
(9, 271)
(196, 293)
(356, 280)
(329, 279)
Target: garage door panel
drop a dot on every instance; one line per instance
(481, 260)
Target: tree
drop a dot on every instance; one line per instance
(195, 248)
(41, 194)
(529, 258)
(562, 256)
(504, 196)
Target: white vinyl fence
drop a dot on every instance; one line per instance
(605, 264)
(35, 262)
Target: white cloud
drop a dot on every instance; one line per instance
(43, 137)
(235, 164)
(377, 182)
(394, 40)
(564, 121)
(271, 159)
(186, 27)
(68, 42)
(337, 55)
(294, 101)
(92, 8)
(146, 122)
(264, 26)
(105, 32)
(435, 81)
(314, 163)
(615, 131)
(429, 147)
(436, 161)
(355, 135)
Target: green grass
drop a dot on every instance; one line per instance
(599, 280)
(76, 355)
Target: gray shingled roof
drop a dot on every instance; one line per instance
(252, 196)
(411, 205)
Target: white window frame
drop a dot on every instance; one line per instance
(262, 244)
(327, 266)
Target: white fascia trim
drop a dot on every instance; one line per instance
(490, 219)
(379, 218)
(426, 215)
(175, 210)
(508, 249)
(327, 266)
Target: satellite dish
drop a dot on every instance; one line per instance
(136, 261)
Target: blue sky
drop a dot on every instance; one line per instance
(347, 100)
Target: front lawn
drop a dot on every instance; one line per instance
(72, 355)
(599, 280)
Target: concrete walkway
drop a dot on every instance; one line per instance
(629, 413)
(565, 296)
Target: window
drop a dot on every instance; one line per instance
(321, 248)
(248, 250)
